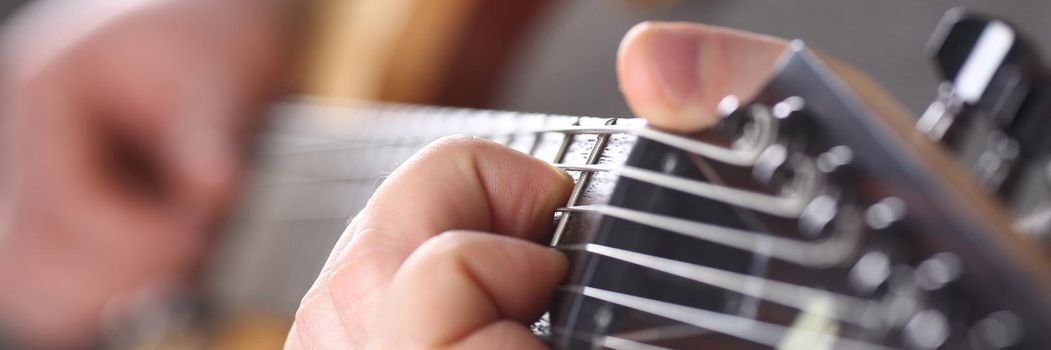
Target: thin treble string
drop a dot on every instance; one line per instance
(663, 333)
(752, 330)
(348, 144)
(748, 217)
(844, 307)
(824, 253)
(782, 206)
(606, 341)
(739, 157)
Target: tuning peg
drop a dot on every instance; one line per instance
(791, 122)
(835, 165)
(928, 329)
(870, 272)
(732, 118)
(984, 59)
(985, 65)
(773, 167)
(938, 270)
(885, 214)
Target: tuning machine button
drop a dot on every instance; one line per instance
(827, 180)
(835, 166)
(734, 119)
(792, 120)
(984, 63)
(773, 167)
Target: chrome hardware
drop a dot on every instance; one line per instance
(941, 114)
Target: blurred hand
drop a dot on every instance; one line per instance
(124, 125)
(396, 281)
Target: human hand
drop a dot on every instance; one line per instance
(124, 124)
(396, 281)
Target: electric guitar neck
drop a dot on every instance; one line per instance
(817, 215)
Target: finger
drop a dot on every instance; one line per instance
(465, 288)
(675, 74)
(456, 183)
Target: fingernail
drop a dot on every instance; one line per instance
(674, 57)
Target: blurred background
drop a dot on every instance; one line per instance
(524, 55)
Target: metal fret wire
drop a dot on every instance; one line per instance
(793, 251)
(578, 189)
(560, 157)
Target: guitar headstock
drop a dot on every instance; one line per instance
(824, 218)
(992, 112)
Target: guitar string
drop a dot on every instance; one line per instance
(738, 157)
(707, 150)
(779, 206)
(664, 332)
(630, 340)
(749, 329)
(633, 340)
(844, 307)
(788, 206)
(783, 206)
(607, 341)
(617, 343)
(794, 296)
(822, 254)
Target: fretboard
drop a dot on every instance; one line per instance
(319, 164)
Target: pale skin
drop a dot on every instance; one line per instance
(449, 247)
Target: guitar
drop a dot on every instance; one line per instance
(816, 216)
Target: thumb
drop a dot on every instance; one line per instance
(469, 290)
(675, 74)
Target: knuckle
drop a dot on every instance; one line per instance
(450, 242)
(450, 246)
(302, 319)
